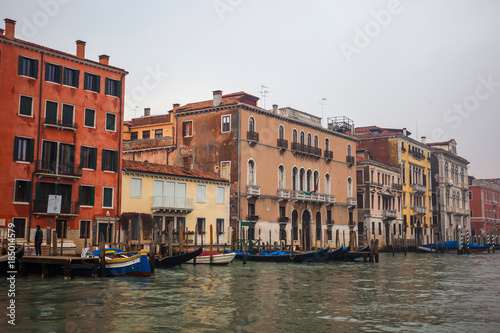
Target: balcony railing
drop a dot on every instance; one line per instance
(67, 207)
(283, 194)
(313, 197)
(253, 190)
(282, 144)
(419, 210)
(418, 188)
(171, 203)
(350, 160)
(305, 149)
(389, 214)
(60, 124)
(54, 168)
(328, 154)
(352, 201)
(417, 155)
(253, 136)
(397, 187)
(253, 218)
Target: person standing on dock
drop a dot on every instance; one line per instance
(38, 240)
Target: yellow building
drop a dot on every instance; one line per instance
(395, 147)
(179, 195)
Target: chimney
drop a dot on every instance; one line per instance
(176, 106)
(275, 108)
(80, 49)
(405, 133)
(104, 59)
(1, 32)
(217, 97)
(10, 28)
(147, 112)
(423, 139)
(188, 159)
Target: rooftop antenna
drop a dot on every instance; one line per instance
(263, 94)
(322, 105)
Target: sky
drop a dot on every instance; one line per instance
(432, 66)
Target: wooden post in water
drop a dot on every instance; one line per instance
(170, 230)
(376, 250)
(300, 239)
(351, 239)
(195, 241)
(152, 255)
(337, 238)
(343, 236)
(181, 235)
(270, 241)
(243, 245)
(103, 254)
(62, 239)
(129, 233)
(393, 246)
(211, 245)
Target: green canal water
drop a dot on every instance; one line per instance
(413, 293)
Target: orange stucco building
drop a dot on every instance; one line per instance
(61, 130)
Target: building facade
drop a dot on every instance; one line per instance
(379, 194)
(485, 210)
(180, 196)
(293, 181)
(395, 147)
(62, 139)
(450, 194)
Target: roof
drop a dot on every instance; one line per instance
(68, 55)
(149, 120)
(162, 169)
(229, 99)
(368, 131)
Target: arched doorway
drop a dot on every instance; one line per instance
(306, 222)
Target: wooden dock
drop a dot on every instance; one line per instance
(56, 265)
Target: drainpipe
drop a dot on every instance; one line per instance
(33, 188)
(239, 168)
(118, 171)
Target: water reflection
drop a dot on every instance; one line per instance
(419, 292)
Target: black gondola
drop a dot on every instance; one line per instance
(319, 255)
(176, 260)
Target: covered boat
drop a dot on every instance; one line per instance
(217, 258)
(451, 246)
(319, 255)
(164, 262)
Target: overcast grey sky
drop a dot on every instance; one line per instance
(430, 66)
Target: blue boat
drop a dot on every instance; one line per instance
(119, 263)
(451, 246)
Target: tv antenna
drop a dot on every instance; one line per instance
(322, 105)
(263, 94)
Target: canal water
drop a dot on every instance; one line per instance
(413, 293)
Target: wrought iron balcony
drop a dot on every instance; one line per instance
(282, 144)
(57, 169)
(172, 204)
(68, 208)
(306, 150)
(253, 190)
(328, 154)
(253, 136)
(397, 187)
(252, 217)
(350, 160)
(60, 124)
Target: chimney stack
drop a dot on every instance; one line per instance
(104, 59)
(405, 133)
(423, 139)
(147, 112)
(10, 28)
(188, 159)
(1, 32)
(176, 106)
(80, 49)
(217, 97)
(275, 108)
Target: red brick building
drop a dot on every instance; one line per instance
(484, 205)
(61, 131)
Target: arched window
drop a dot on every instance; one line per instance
(446, 170)
(251, 173)
(309, 139)
(251, 124)
(281, 177)
(328, 182)
(349, 187)
(295, 174)
(302, 177)
(316, 141)
(281, 132)
(349, 150)
(302, 138)
(309, 181)
(294, 136)
(462, 175)
(327, 144)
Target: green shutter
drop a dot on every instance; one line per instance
(16, 146)
(118, 89)
(80, 194)
(86, 81)
(37, 191)
(92, 196)
(106, 86)
(115, 161)
(31, 150)
(94, 159)
(56, 189)
(20, 66)
(28, 191)
(103, 157)
(98, 85)
(47, 71)
(35, 68)
(81, 156)
(59, 74)
(77, 78)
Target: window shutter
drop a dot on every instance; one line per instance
(80, 194)
(35, 69)
(115, 161)
(94, 159)
(118, 89)
(103, 155)
(77, 78)
(20, 66)
(59, 74)
(31, 150)
(37, 191)
(28, 191)
(92, 196)
(82, 155)
(86, 81)
(56, 189)
(16, 146)
(46, 71)
(98, 85)
(106, 87)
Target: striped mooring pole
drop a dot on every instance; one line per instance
(467, 241)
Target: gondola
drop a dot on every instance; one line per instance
(319, 255)
(176, 260)
(4, 260)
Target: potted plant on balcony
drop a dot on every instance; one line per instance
(253, 217)
(221, 232)
(283, 219)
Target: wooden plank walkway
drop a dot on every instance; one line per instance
(53, 265)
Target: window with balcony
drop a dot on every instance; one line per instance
(349, 187)
(109, 160)
(88, 157)
(44, 190)
(28, 67)
(58, 158)
(302, 138)
(295, 175)
(328, 183)
(107, 197)
(68, 116)
(23, 149)
(251, 124)
(25, 106)
(112, 87)
(294, 136)
(226, 124)
(22, 191)
(51, 112)
(281, 177)
(71, 77)
(316, 141)
(92, 82)
(53, 73)
(302, 179)
(89, 118)
(327, 144)
(86, 195)
(309, 139)
(281, 132)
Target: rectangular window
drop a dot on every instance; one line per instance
(219, 226)
(22, 192)
(220, 195)
(135, 187)
(71, 77)
(61, 228)
(133, 135)
(109, 160)
(107, 197)
(23, 149)
(19, 227)
(380, 228)
(110, 122)
(145, 134)
(28, 67)
(89, 118)
(26, 106)
(201, 191)
(112, 87)
(187, 128)
(53, 73)
(88, 157)
(85, 229)
(225, 170)
(86, 195)
(68, 112)
(226, 124)
(51, 112)
(200, 224)
(158, 133)
(92, 82)
(66, 165)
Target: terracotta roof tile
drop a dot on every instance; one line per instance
(228, 99)
(166, 170)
